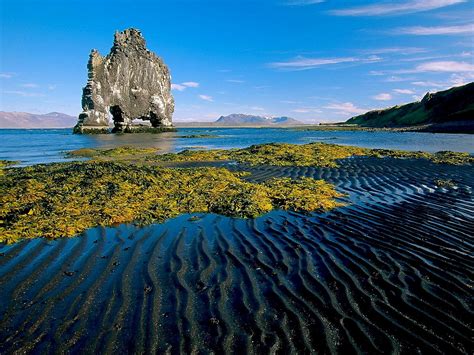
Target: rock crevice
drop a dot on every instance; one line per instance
(129, 83)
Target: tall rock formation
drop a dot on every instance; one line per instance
(130, 83)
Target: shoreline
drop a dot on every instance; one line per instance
(127, 184)
(307, 127)
(288, 281)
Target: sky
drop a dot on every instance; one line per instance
(313, 60)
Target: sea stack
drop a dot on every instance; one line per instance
(130, 83)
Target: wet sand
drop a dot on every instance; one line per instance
(391, 272)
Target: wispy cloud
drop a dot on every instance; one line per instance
(345, 108)
(6, 75)
(395, 7)
(396, 79)
(427, 84)
(235, 81)
(435, 30)
(395, 50)
(445, 66)
(461, 79)
(382, 97)
(404, 91)
(303, 2)
(29, 85)
(206, 98)
(290, 102)
(307, 110)
(184, 86)
(190, 84)
(23, 93)
(302, 63)
(178, 87)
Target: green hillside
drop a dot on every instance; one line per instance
(445, 110)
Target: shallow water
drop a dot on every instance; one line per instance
(391, 272)
(33, 146)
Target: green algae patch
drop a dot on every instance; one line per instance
(118, 152)
(5, 164)
(277, 154)
(443, 157)
(445, 183)
(312, 154)
(64, 199)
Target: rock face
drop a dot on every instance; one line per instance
(130, 83)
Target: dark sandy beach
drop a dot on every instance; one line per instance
(391, 272)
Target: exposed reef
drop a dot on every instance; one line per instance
(127, 184)
(311, 154)
(60, 200)
(130, 83)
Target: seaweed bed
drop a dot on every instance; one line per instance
(390, 272)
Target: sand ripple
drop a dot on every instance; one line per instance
(392, 272)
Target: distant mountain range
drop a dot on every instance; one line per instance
(242, 120)
(445, 111)
(31, 120)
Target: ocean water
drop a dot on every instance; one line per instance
(34, 146)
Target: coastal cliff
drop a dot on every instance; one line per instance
(445, 111)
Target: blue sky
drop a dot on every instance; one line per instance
(313, 60)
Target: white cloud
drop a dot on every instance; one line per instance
(396, 79)
(427, 84)
(395, 50)
(396, 7)
(23, 93)
(382, 97)
(6, 75)
(436, 30)
(206, 98)
(236, 81)
(190, 84)
(302, 63)
(184, 86)
(461, 79)
(29, 85)
(345, 108)
(51, 87)
(404, 91)
(307, 110)
(178, 87)
(445, 66)
(257, 108)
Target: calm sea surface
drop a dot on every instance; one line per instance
(33, 146)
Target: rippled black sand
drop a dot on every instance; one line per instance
(392, 272)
